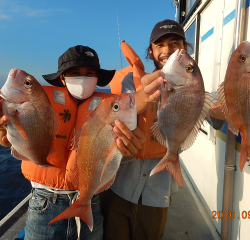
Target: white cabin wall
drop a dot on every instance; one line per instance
(241, 199)
(204, 161)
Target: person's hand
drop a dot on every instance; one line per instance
(216, 111)
(128, 142)
(150, 91)
(150, 85)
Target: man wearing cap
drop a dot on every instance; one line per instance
(136, 205)
(52, 189)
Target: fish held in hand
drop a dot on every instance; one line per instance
(32, 121)
(183, 106)
(97, 156)
(234, 96)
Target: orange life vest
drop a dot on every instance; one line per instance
(71, 117)
(151, 148)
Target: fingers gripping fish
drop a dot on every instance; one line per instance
(183, 107)
(33, 122)
(97, 156)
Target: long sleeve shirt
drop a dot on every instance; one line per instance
(133, 180)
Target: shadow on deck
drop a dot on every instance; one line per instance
(187, 219)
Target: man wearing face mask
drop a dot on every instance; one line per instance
(72, 97)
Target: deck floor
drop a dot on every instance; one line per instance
(185, 221)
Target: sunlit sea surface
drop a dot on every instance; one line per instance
(13, 186)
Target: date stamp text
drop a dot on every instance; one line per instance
(227, 215)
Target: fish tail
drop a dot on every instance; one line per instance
(172, 164)
(77, 210)
(244, 154)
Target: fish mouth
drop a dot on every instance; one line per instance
(168, 84)
(180, 53)
(13, 72)
(176, 56)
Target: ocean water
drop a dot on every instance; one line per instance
(13, 186)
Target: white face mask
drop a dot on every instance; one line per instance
(81, 87)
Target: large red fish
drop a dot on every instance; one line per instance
(32, 121)
(182, 109)
(234, 95)
(97, 157)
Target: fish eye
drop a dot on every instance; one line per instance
(27, 83)
(242, 58)
(189, 68)
(115, 107)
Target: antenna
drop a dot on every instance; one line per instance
(119, 37)
(175, 4)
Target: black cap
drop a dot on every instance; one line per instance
(79, 56)
(166, 27)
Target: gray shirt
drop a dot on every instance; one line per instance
(133, 180)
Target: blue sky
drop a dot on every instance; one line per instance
(35, 33)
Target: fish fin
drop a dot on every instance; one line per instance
(18, 125)
(112, 150)
(220, 94)
(75, 138)
(83, 131)
(106, 186)
(74, 175)
(17, 155)
(77, 210)
(204, 113)
(244, 154)
(172, 165)
(157, 133)
(56, 128)
(208, 103)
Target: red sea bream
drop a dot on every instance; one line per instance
(183, 106)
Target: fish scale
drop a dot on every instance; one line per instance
(97, 156)
(180, 104)
(234, 96)
(183, 107)
(32, 121)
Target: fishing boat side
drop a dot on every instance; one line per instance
(12, 224)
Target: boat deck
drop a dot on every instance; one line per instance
(187, 219)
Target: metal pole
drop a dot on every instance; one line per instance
(230, 144)
(119, 38)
